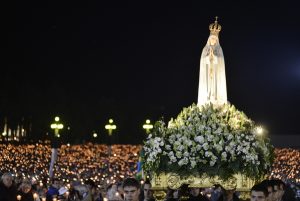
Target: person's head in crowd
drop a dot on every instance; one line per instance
(25, 186)
(55, 183)
(176, 194)
(108, 187)
(195, 192)
(229, 194)
(112, 192)
(216, 192)
(173, 194)
(83, 190)
(114, 187)
(131, 188)
(53, 189)
(63, 192)
(279, 188)
(148, 194)
(18, 180)
(268, 185)
(218, 188)
(7, 179)
(91, 186)
(258, 192)
(75, 183)
(169, 193)
(120, 190)
(276, 191)
(74, 195)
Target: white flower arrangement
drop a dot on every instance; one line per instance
(212, 140)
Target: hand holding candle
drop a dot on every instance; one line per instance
(35, 196)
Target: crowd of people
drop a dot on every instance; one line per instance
(93, 172)
(100, 163)
(131, 190)
(286, 165)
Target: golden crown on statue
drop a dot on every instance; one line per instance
(215, 28)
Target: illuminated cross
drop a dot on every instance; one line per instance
(110, 127)
(56, 126)
(147, 126)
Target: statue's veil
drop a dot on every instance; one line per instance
(221, 77)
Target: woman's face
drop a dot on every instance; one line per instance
(213, 40)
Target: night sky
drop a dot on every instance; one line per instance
(89, 62)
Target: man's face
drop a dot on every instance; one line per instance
(195, 192)
(280, 192)
(270, 195)
(7, 181)
(175, 194)
(276, 193)
(131, 193)
(26, 188)
(120, 190)
(56, 184)
(147, 192)
(257, 196)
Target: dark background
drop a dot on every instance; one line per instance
(91, 61)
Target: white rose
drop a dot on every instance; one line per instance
(212, 163)
(209, 138)
(181, 162)
(224, 156)
(178, 154)
(173, 158)
(193, 164)
(205, 146)
(186, 154)
(199, 139)
(171, 154)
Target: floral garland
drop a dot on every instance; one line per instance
(218, 141)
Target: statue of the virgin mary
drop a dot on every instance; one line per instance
(212, 79)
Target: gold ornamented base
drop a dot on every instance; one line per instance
(161, 182)
(159, 195)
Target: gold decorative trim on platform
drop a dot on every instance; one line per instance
(174, 181)
(161, 182)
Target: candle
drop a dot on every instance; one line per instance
(67, 194)
(19, 197)
(54, 199)
(43, 199)
(35, 196)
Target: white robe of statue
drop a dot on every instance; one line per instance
(212, 79)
